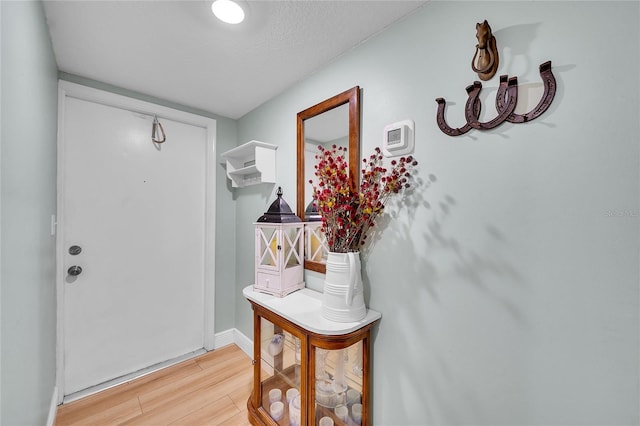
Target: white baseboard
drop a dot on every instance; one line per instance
(223, 338)
(243, 342)
(53, 407)
(233, 335)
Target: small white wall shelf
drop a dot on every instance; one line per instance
(251, 163)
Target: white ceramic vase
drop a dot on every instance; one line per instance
(343, 297)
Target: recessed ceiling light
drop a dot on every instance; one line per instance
(228, 11)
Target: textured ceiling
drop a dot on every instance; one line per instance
(177, 50)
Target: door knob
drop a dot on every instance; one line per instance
(74, 270)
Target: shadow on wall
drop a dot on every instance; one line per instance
(428, 376)
(519, 38)
(410, 202)
(475, 268)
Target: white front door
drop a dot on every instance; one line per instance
(136, 212)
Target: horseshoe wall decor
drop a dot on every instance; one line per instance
(442, 123)
(511, 93)
(549, 82)
(506, 101)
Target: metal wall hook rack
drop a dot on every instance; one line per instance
(511, 93)
(506, 100)
(549, 81)
(442, 124)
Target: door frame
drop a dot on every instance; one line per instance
(73, 90)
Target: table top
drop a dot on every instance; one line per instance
(304, 308)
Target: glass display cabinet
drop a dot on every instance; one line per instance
(308, 370)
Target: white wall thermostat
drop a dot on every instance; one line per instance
(398, 138)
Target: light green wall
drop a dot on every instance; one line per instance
(28, 199)
(226, 138)
(509, 288)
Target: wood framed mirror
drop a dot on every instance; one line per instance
(333, 121)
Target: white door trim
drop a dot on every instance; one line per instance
(73, 90)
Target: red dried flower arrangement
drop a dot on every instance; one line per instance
(348, 214)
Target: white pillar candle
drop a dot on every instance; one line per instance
(292, 393)
(275, 395)
(353, 397)
(277, 410)
(342, 412)
(356, 413)
(294, 411)
(326, 421)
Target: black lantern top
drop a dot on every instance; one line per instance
(279, 212)
(311, 213)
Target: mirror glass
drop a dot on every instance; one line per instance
(333, 121)
(327, 129)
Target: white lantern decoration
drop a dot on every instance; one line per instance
(279, 250)
(315, 241)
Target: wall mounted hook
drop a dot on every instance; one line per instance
(442, 122)
(549, 81)
(486, 59)
(157, 131)
(506, 101)
(511, 96)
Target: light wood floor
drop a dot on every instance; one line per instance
(211, 389)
